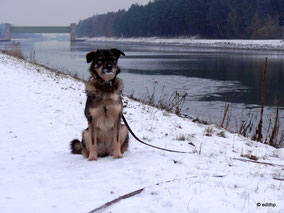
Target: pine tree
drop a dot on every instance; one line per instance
(256, 26)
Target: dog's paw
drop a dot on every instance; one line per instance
(93, 157)
(117, 156)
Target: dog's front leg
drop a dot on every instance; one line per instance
(116, 140)
(92, 142)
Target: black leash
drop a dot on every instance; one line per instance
(156, 147)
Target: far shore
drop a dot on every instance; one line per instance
(270, 45)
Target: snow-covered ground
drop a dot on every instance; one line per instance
(199, 43)
(41, 112)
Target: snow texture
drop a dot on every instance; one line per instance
(41, 112)
(199, 43)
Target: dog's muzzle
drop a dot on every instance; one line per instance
(108, 70)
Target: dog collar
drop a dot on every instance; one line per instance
(107, 83)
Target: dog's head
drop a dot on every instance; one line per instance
(104, 63)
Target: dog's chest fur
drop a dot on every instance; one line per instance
(103, 106)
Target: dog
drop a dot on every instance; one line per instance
(105, 134)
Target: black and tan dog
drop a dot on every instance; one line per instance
(105, 134)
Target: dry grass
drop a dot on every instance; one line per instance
(226, 117)
(181, 137)
(209, 131)
(173, 103)
(199, 121)
(252, 126)
(258, 135)
(273, 138)
(14, 50)
(222, 134)
(250, 156)
(246, 125)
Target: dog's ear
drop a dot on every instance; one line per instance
(117, 52)
(91, 55)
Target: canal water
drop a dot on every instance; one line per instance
(210, 77)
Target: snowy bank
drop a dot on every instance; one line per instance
(42, 111)
(273, 45)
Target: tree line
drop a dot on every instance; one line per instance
(220, 19)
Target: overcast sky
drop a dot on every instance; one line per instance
(57, 12)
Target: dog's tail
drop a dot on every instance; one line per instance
(76, 147)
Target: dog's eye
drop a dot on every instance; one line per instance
(100, 60)
(114, 58)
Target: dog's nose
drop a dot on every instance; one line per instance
(109, 67)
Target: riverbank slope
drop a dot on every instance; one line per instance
(41, 112)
